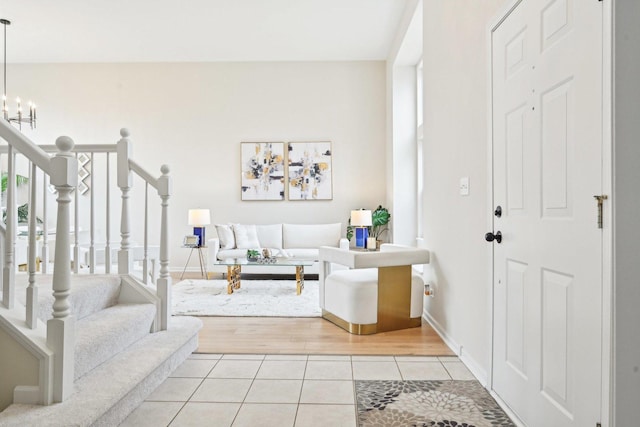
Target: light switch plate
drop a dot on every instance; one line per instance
(464, 186)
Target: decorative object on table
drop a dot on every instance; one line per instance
(253, 255)
(19, 118)
(310, 171)
(380, 220)
(191, 241)
(361, 221)
(262, 170)
(266, 253)
(199, 218)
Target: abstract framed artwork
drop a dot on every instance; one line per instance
(309, 168)
(262, 170)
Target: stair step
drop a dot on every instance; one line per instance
(109, 393)
(108, 332)
(89, 293)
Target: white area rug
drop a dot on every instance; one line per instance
(260, 298)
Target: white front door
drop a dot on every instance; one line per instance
(547, 154)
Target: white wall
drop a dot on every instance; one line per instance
(455, 137)
(193, 116)
(626, 213)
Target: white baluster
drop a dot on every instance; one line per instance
(45, 226)
(32, 290)
(145, 259)
(60, 329)
(164, 282)
(76, 229)
(9, 273)
(124, 182)
(92, 224)
(107, 248)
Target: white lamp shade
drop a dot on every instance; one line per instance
(361, 218)
(199, 217)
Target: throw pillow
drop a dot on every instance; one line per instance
(226, 237)
(246, 236)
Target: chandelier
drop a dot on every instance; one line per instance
(19, 118)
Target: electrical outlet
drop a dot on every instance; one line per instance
(429, 290)
(464, 186)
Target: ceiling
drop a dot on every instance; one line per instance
(200, 30)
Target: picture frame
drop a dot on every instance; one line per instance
(263, 171)
(191, 241)
(309, 166)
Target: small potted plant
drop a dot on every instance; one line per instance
(380, 219)
(253, 255)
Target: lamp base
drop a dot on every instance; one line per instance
(362, 233)
(199, 231)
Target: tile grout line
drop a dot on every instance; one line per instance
(194, 392)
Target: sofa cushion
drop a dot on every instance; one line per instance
(232, 253)
(311, 254)
(246, 236)
(310, 236)
(270, 236)
(225, 236)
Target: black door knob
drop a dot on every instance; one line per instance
(498, 211)
(490, 237)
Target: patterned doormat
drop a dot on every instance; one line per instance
(427, 403)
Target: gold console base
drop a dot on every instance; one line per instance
(394, 304)
(370, 329)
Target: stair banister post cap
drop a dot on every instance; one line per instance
(124, 132)
(65, 144)
(164, 169)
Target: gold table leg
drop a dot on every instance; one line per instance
(233, 277)
(299, 279)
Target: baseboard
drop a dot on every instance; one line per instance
(471, 364)
(507, 410)
(450, 342)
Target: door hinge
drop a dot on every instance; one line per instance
(600, 200)
(598, 424)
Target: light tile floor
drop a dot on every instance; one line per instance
(216, 390)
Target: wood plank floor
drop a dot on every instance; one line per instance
(277, 335)
(269, 335)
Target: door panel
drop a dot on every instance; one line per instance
(547, 125)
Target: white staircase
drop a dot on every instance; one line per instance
(117, 360)
(83, 349)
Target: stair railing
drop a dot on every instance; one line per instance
(126, 168)
(61, 171)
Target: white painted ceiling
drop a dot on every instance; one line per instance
(199, 30)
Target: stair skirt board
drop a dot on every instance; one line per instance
(109, 393)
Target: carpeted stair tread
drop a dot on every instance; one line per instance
(89, 293)
(108, 332)
(107, 394)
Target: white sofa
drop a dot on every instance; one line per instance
(297, 241)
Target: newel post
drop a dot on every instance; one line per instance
(164, 282)
(123, 149)
(60, 329)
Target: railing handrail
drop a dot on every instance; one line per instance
(25, 146)
(79, 148)
(142, 173)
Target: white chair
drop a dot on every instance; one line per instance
(378, 293)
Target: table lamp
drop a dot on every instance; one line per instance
(199, 218)
(361, 220)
